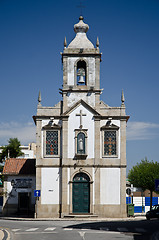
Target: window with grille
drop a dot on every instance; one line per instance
(52, 142)
(110, 143)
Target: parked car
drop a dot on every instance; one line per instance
(153, 213)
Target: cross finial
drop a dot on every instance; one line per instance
(81, 6)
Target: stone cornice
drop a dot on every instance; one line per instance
(100, 117)
(79, 53)
(91, 90)
(96, 117)
(83, 166)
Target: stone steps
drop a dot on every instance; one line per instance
(80, 216)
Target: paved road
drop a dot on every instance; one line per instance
(82, 230)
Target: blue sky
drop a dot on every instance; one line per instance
(32, 35)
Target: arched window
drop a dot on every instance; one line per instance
(81, 73)
(81, 177)
(81, 143)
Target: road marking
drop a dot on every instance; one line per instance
(50, 229)
(122, 229)
(140, 230)
(82, 235)
(16, 229)
(31, 229)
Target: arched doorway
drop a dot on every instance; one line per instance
(81, 193)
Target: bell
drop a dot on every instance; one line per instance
(81, 79)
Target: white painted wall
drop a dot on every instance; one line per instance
(74, 123)
(12, 193)
(110, 186)
(72, 98)
(50, 185)
(27, 153)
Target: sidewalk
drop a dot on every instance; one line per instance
(4, 234)
(136, 217)
(1, 234)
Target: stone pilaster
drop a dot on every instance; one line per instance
(123, 142)
(96, 162)
(64, 71)
(123, 167)
(97, 72)
(64, 141)
(38, 160)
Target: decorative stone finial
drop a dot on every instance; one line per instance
(65, 43)
(122, 98)
(81, 18)
(81, 26)
(39, 99)
(97, 43)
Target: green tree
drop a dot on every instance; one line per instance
(13, 149)
(143, 175)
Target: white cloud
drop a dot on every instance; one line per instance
(142, 130)
(25, 132)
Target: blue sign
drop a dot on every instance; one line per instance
(37, 193)
(157, 185)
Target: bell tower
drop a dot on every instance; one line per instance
(81, 69)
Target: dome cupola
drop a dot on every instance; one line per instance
(81, 26)
(81, 40)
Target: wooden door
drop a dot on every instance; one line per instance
(81, 193)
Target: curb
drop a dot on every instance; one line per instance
(135, 218)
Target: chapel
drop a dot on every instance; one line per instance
(81, 141)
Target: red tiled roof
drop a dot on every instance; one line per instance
(15, 166)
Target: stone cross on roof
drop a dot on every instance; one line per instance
(80, 115)
(81, 6)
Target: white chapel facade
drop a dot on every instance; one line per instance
(81, 141)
